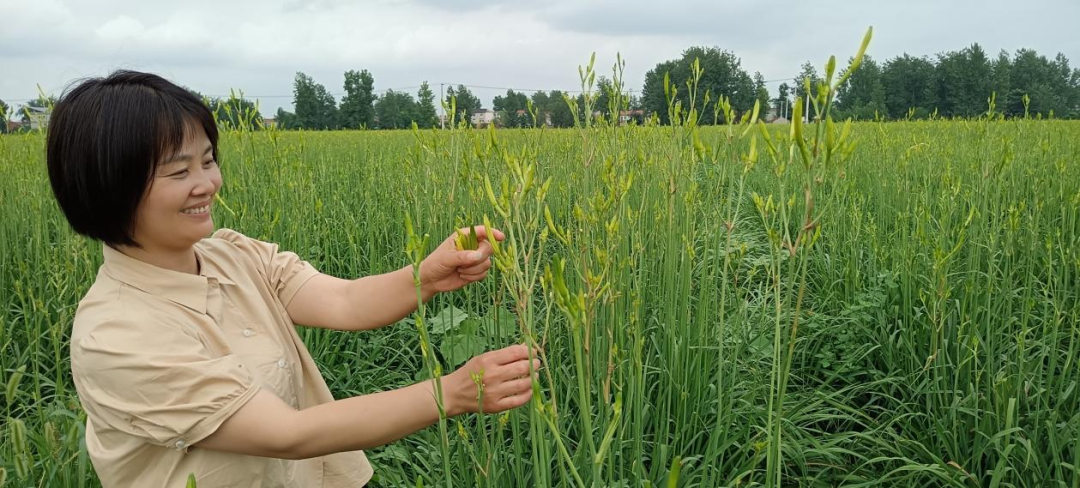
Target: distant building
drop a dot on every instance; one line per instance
(482, 117)
(626, 116)
(13, 125)
(269, 123)
(525, 113)
(780, 120)
(39, 117)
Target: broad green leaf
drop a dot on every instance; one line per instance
(446, 320)
(500, 322)
(458, 348)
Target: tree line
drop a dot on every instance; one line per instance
(950, 84)
(959, 84)
(361, 108)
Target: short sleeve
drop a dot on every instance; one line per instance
(156, 382)
(284, 270)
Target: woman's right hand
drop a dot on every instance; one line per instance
(502, 382)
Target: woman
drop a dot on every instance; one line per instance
(183, 351)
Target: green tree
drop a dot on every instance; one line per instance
(284, 119)
(507, 107)
(604, 89)
(315, 107)
(236, 112)
(862, 96)
(807, 72)
(909, 84)
(762, 94)
(551, 106)
(1048, 85)
(425, 107)
(542, 105)
(561, 116)
(4, 112)
(963, 82)
(467, 103)
(357, 106)
(395, 110)
(722, 76)
(653, 99)
(783, 101)
(1000, 78)
(1074, 80)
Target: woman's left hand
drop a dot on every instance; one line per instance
(449, 269)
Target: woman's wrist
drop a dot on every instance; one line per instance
(426, 292)
(451, 394)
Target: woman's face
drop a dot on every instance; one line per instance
(175, 211)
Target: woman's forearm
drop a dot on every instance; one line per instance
(267, 426)
(380, 300)
(366, 421)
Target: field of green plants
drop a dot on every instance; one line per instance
(873, 304)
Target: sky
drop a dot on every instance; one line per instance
(258, 46)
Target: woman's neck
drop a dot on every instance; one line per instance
(177, 259)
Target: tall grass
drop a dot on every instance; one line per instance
(745, 305)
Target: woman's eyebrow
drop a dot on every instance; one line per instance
(180, 156)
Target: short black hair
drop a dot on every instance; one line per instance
(106, 138)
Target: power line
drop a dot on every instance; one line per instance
(781, 79)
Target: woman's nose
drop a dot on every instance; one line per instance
(206, 183)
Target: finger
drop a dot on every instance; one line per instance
(509, 354)
(476, 269)
(517, 369)
(485, 248)
(467, 258)
(472, 277)
(515, 401)
(482, 233)
(510, 388)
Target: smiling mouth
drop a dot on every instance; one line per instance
(196, 210)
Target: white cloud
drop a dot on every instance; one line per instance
(122, 27)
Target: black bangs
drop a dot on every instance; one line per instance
(106, 138)
(177, 121)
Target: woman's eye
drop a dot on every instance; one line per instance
(180, 173)
(212, 161)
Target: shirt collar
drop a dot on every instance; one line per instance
(183, 288)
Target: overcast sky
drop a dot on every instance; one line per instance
(258, 46)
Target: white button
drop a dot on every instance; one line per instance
(180, 444)
(248, 333)
(281, 363)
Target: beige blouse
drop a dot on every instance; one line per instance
(161, 359)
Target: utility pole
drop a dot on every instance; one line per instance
(807, 106)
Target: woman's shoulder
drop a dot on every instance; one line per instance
(234, 248)
(231, 240)
(230, 246)
(232, 253)
(225, 237)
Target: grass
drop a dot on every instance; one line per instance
(697, 330)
